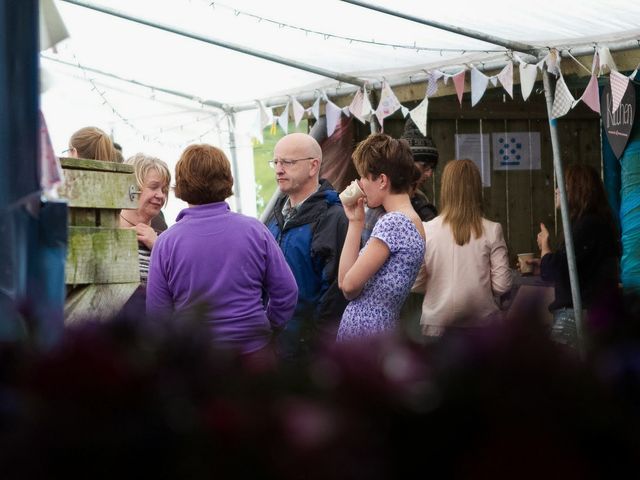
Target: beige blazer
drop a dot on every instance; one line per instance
(460, 282)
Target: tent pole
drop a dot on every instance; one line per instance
(521, 47)
(233, 148)
(564, 211)
(220, 43)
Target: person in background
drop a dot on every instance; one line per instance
(425, 156)
(119, 156)
(310, 226)
(466, 265)
(597, 250)
(378, 278)
(153, 179)
(221, 266)
(93, 144)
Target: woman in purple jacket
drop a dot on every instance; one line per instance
(222, 266)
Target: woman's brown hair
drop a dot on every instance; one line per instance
(94, 144)
(585, 192)
(203, 175)
(379, 153)
(461, 199)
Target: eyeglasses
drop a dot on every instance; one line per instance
(287, 163)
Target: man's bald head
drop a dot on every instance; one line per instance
(300, 145)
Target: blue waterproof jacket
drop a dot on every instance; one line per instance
(312, 242)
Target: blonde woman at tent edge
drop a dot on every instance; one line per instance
(93, 144)
(466, 263)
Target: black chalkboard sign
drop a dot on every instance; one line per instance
(618, 124)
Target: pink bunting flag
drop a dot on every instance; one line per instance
(591, 95)
(595, 65)
(388, 103)
(333, 113)
(563, 101)
(506, 78)
(50, 169)
(458, 81)
(619, 84)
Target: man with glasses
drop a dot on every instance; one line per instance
(310, 226)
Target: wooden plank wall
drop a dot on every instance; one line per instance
(518, 199)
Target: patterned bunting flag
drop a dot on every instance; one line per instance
(563, 101)
(283, 119)
(619, 85)
(479, 83)
(458, 81)
(388, 103)
(419, 115)
(356, 105)
(432, 79)
(506, 78)
(298, 110)
(333, 113)
(528, 74)
(591, 95)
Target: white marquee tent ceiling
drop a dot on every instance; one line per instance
(329, 34)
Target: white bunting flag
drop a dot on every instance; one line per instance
(283, 119)
(563, 101)
(458, 81)
(479, 83)
(432, 79)
(553, 62)
(315, 109)
(404, 110)
(298, 111)
(346, 112)
(619, 84)
(356, 106)
(265, 115)
(388, 103)
(494, 80)
(419, 115)
(591, 95)
(333, 113)
(506, 78)
(528, 74)
(606, 60)
(445, 79)
(367, 109)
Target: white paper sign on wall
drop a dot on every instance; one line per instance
(477, 148)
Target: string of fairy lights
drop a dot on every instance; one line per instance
(350, 40)
(153, 136)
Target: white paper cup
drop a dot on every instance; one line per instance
(522, 260)
(351, 194)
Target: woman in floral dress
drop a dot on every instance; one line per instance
(377, 278)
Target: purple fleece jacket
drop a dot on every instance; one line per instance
(220, 264)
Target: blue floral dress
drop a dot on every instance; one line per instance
(377, 308)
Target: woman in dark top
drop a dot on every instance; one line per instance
(596, 246)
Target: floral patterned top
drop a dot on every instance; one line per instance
(377, 308)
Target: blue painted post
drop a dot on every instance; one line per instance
(32, 234)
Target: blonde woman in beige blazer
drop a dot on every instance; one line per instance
(466, 264)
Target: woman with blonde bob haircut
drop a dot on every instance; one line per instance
(222, 266)
(466, 266)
